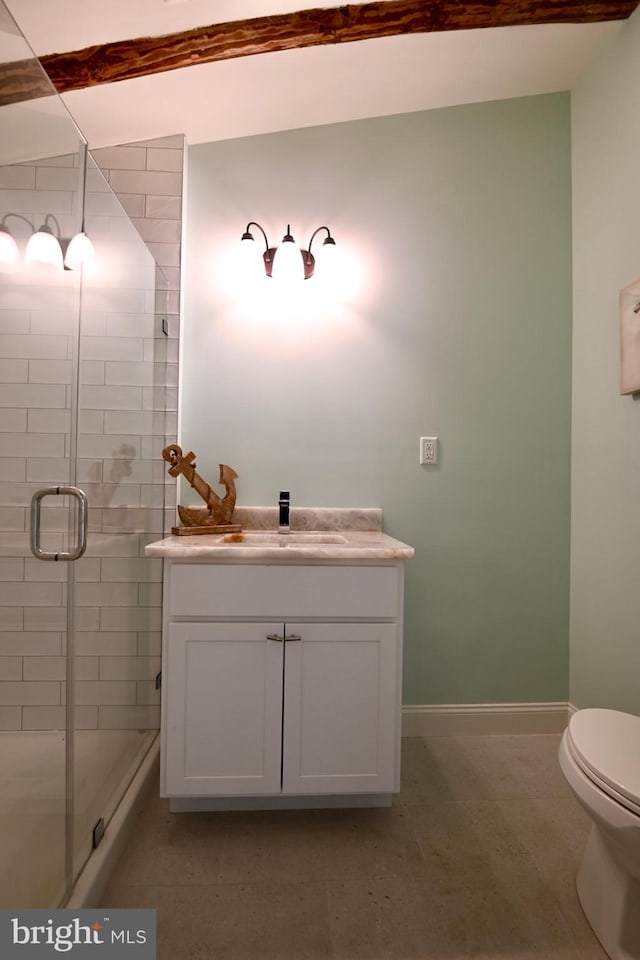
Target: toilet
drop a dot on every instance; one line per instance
(600, 758)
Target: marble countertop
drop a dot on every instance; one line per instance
(316, 534)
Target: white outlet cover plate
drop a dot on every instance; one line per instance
(428, 450)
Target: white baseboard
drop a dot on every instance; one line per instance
(464, 719)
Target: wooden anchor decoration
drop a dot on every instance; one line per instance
(217, 516)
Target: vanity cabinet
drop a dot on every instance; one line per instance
(281, 680)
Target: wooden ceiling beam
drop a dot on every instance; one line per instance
(23, 80)
(127, 59)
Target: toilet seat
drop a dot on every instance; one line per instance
(606, 746)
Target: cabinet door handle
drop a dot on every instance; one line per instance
(293, 636)
(275, 636)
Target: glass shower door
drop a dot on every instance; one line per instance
(40, 183)
(81, 405)
(82, 401)
(37, 368)
(117, 594)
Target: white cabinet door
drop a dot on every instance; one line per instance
(340, 698)
(222, 721)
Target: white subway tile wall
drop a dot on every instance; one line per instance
(147, 178)
(128, 412)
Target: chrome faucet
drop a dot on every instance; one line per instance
(284, 504)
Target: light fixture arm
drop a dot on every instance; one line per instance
(269, 252)
(329, 238)
(20, 217)
(247, 235)
(47, 229)
(309, 259)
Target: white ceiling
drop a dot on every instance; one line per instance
(302, 87)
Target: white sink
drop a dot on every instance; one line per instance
(268, 538)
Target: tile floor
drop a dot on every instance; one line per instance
(476, 858)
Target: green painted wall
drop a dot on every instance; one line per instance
(605, 594)
(458, 224)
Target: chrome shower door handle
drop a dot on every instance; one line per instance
(36, 502)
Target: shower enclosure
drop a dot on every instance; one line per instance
(83, 395)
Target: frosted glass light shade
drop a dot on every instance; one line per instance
(250, 257)
(9, 253)
(80, 253)
(288, 266)
(44, 248)
(326, 257)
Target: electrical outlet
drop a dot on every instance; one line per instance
(428, 449)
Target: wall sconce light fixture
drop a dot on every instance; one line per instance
(288, 260)
(43, 246)
(9, 253)
(80, 252)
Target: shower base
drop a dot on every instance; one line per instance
(32, 804)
